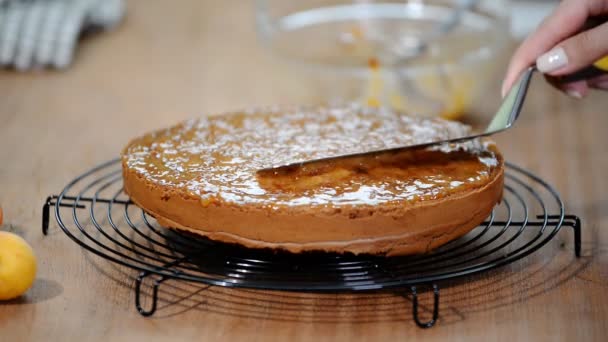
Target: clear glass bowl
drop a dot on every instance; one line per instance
(369, 51)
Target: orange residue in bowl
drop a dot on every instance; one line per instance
(375, 83)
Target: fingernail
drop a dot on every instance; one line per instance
(574, 93)
(552, 60)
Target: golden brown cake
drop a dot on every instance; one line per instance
(201, 176)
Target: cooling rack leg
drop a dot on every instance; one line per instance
(45, 216)
(576, 226)
(432, 322)
(54, 200)
(138, 282)
(46, 208)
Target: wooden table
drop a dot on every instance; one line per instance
(170, 62)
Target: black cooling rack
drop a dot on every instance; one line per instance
(94, 212)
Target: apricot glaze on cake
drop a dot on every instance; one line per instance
(201, 176)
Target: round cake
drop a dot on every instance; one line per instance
(203, 176)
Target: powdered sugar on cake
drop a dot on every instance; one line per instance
(218, 156)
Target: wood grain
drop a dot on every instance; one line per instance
(170, 62)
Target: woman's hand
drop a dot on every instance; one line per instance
(561, 46)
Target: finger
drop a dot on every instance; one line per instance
(576, 52)
(577, 90)
(567, 19)
(600, 82)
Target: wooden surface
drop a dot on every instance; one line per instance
(167, 63)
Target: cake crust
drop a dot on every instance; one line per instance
(383, 222)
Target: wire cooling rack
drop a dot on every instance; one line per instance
(94, 212)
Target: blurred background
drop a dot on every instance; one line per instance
(170, 60)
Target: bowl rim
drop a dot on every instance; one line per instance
(267, 28)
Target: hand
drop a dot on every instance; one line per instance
(561, 46)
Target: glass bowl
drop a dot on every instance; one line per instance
(402, 54)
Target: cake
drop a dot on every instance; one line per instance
(202, 176)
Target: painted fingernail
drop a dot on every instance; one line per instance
(574, 93)
(552, 60)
